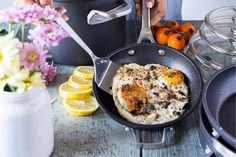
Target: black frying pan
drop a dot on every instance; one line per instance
(219, 102)
(146, 54)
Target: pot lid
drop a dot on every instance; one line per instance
(208, 56)
(220, 16)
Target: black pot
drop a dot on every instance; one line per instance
(102, 38)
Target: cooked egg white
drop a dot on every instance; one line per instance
(150, 94)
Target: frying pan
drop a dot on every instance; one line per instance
(144, 53)
(219, 102)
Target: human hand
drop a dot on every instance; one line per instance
(158, 9)
(44, 3)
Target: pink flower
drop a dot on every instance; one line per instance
(48, 73)
(26, 14)
(33, 57)
(47, 34)
(9, 15)
(50, 14)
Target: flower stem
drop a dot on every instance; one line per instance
(23, 33)
(9, 27)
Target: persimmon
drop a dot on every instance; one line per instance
(176, 41)
(155, 27)
(162, 35)
(188, 29)
(172, 24)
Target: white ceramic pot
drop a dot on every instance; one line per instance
(26, 126)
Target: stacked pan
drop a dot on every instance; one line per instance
(214, 45)
(217, 130)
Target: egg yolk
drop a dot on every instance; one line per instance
(134, 97)
(173, 77)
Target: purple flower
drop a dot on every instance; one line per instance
(33, 57)
(48, 73)
(47, 34)
(26, 14)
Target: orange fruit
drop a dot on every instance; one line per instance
(155, 27)
(172, 24)
(162, 35)
(176, 41)
(188, 29)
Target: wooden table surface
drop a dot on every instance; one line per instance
(100, 136)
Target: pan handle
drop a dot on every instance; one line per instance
(145, 145)
(77, 39)
(145, 33)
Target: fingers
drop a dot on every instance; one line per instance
(138, 7)
(138, 10)
(161, 7)
(150, 3)
(62, 10)
(158, 11)
(44, 3)
(23, 2)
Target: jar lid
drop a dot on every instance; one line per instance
(216, 42)
(220, 16)
(208, 56)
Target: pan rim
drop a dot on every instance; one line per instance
(210, 117)
(132, 125)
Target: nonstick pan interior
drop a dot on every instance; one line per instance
(147, 54)
(219, 102)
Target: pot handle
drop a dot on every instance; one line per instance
(145, 33)
(149, 145)
(98, 16)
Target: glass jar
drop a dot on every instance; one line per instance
(26, 126)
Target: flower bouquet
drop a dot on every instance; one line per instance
(25, 118)
(23, 65)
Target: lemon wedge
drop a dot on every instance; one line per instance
(80, 83)
(81, 107)
(67, 91)
(85, 72)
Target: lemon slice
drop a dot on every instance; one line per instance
(81, 107)
(80, 83)
(67, 91)
(85, 72)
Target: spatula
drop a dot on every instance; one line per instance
(105, 69)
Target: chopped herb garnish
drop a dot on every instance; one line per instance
(151, 86)
(152, 107)
(127, 87)
(134, 112)
(170, 74)
(152, 67)
(182, 93)
(129, 70)
(157, 94)
(139, 104)
(140, 94)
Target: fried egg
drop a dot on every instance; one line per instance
(150, 94)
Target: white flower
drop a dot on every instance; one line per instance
(23, 81)
(9, 50)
